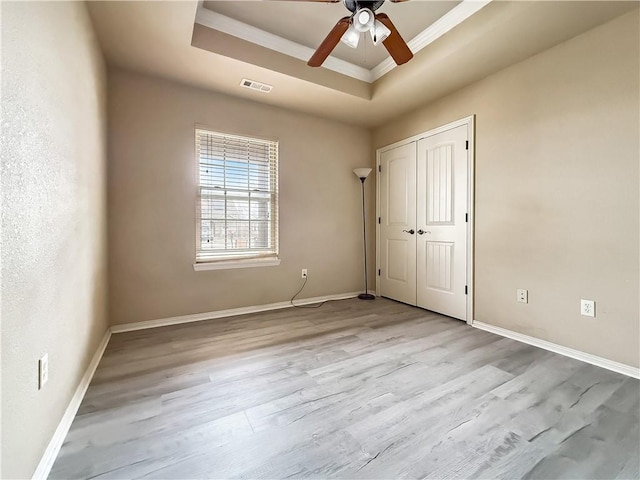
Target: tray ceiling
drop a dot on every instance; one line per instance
(164, 39)
(307, 23)
(295, 29)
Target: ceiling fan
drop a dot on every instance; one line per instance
(362, 19)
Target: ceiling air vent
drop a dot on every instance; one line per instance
(260, 87)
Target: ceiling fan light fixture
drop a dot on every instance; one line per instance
(351, 37)
(363, 19)
(379, 32)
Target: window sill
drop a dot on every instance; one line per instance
(236, 263)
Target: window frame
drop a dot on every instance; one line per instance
(228, 259)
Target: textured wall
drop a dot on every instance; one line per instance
(556, 189)
(53, 218)
(152, 194)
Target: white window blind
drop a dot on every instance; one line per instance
(237, 205)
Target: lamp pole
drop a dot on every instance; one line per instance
(362, 174)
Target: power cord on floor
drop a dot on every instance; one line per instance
(317, 305)
(298, 293)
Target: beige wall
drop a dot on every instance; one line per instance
(557, 202)
(152, 194)
(556, 189)
(53, 218)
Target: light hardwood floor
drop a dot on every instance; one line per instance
(350, 390)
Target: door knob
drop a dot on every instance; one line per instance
(410, 232)
(421, 232)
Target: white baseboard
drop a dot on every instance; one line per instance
(566, 351)
(198, 317)
(52, 450)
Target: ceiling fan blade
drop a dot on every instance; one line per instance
(329, 43)
(394, 43)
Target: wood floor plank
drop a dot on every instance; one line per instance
(349, 390)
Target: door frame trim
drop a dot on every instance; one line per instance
(470, 124)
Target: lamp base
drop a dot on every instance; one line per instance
(366, 296)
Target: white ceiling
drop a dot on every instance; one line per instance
(162, 39)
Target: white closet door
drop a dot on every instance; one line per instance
(441, 224)
(398, 219)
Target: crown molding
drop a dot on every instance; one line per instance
(448, 21)
(268, 40)
(255, 35)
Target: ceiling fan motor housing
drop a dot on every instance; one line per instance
(355, 5)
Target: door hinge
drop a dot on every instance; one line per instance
(378, 272)
(466, 146)
(380, 168)
(378, 220)
(466, 217)
(466, 290)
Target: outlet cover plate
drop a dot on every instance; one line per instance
(587, 308)
(304, 273)
(43, 370)
(522, 295)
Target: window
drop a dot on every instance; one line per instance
(237, 205)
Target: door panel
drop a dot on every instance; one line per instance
(397, 253)
(439, 266)
(398, 176)
(441, 208)
(439, 185)
(398, 215)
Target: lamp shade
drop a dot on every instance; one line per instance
(351, 37)
(362, 172)
(379, 32)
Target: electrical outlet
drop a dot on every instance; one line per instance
(304, 273)
(43, 370)
(522, 295)
(587, 308)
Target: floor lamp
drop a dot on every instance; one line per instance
(362, 174)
